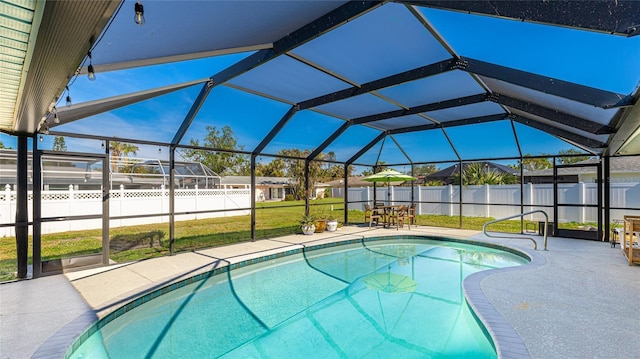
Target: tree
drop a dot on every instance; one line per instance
(424, 170)
(121, 149)
(534, 164)
(222, 163)
(2, 145)
(275, 168)
(567, 160)
(59, 144)
(367, 172)
(295, 168)
(478, 174)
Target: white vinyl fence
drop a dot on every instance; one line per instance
(125, 202)
(485, 198)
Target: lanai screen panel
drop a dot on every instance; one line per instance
(535, 142)
(306, 130)
(401, 122)
(175, 28)
(567, 128)
(484, 140)
(380, 43)
(480, 109)
(359, 106)
(249, 116)
(351, 142)
(445, 86)
(289, 79)
(391, 154)
(150, 120)
(557, 103)
(119, 82)
(426, 146)
(584, 57)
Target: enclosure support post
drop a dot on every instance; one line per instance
(106, 193)
(36, 172)
(346, 194)
(307, 192)
(253, 197)
(172, 201)
(22, 210)
(607, 197)
(460, 193)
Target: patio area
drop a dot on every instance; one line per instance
(561, 304)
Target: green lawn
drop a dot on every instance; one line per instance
(273, 219)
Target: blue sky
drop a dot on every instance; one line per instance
(593, 59)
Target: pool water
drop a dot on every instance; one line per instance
(376, 299)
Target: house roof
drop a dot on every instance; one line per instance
(260, 181)
(356, 181)
(452, 170)
(625, 164)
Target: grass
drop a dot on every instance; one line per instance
(273, 219)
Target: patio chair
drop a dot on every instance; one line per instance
(412, 214)
(372, 214)
(399, 216)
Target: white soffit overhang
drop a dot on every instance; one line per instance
(19, 22)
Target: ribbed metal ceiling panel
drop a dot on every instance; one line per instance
(64, 37)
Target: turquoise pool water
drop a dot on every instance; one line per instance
(398, 298)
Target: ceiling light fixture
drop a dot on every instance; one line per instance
(139, 13)
(90, 72)
(68, 103)
(56, 119)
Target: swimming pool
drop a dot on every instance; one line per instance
(398, 297)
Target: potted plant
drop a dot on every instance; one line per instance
(332, 222)
(321, 221)
(307, 223)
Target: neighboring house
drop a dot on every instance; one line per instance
(353, 182)
(623, 170)
(268, 188)
(447, 175)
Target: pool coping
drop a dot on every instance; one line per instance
(506, 341)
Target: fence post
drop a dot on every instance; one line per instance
(121, 203)
(450, 190)
(7, 212)
(163, 205)
(196, 200)
(419, 211)
(224, 200)
(530, 191)
(71, 206)
(487, 199)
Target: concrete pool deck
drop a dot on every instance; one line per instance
(579, 299)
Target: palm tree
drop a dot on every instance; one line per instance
(120, 149)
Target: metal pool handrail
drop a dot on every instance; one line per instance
(535, 245)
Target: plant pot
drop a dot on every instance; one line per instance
(308, 229)
(321, 224)
(332, 225)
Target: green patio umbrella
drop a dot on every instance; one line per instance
(389, 176)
